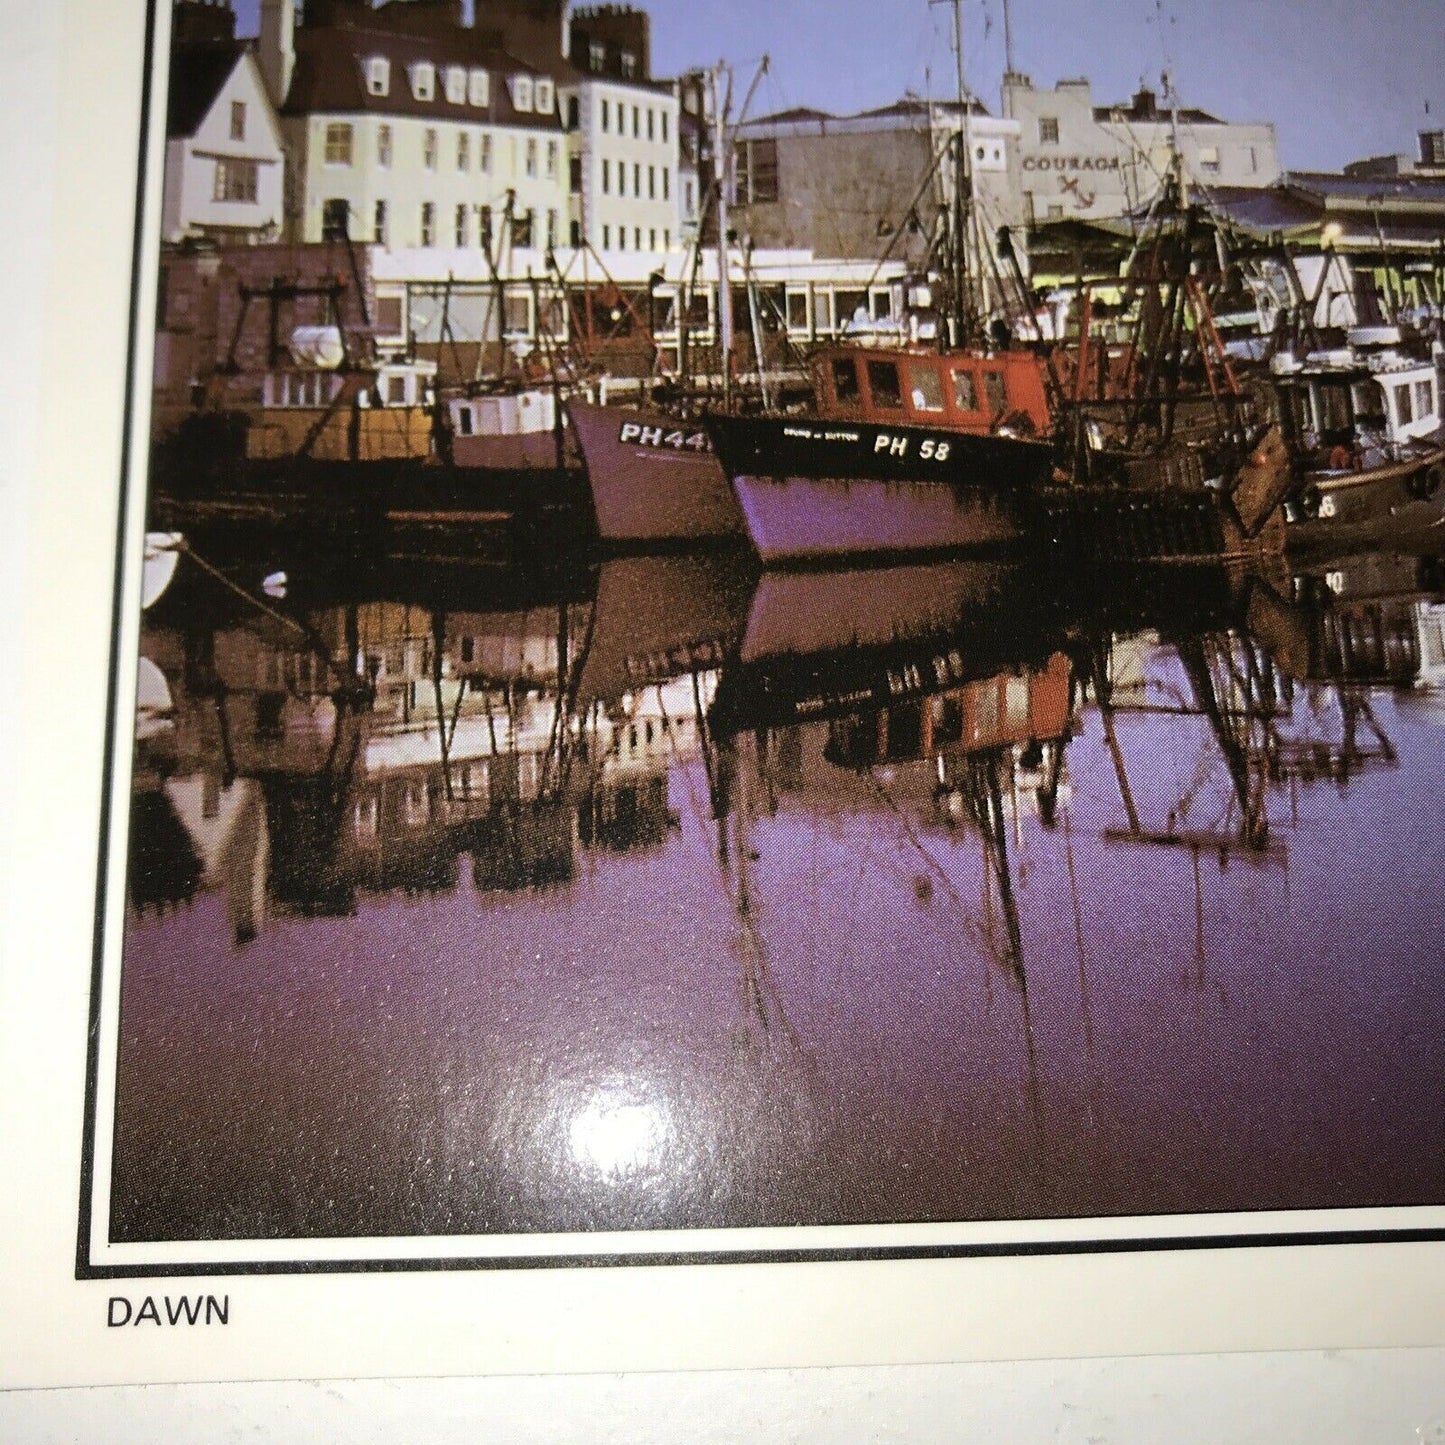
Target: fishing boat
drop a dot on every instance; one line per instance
(654, 477)
(1366, 424)
(813, 489)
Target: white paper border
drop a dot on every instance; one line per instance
(52, 1327)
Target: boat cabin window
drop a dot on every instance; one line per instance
(845, 378)
(1402, 404)
(883, 383)
(995, 393)
(849, 305)
(1333, 404)
(1299, 405)
(464, 428)
(1369, 402)
(1017, 696)
(965, 391)
(1424, 399)
(925, 389)
(395, 394)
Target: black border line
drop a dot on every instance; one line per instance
(117, 601)
(85, 1270)
(864, 1253)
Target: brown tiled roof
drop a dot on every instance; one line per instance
(197, 74)
(330, 78)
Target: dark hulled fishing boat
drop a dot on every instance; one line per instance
(814, 488)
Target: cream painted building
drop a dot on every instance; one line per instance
(623, 126)
(1082, 160)
(224, 175)
(624, 176)
(424, 140)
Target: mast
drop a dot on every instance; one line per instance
(720, 160)
(965, 219)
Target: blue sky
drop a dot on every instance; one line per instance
(1340, 79)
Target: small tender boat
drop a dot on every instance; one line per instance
(1369, 442)
(161, 557)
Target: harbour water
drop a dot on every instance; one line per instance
(657, 894)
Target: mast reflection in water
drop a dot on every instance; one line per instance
(669, 896)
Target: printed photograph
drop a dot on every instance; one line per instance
(779, 631)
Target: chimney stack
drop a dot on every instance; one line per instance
(276, 50)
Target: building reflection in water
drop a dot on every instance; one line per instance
(910, 735)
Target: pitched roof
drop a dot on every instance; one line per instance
(797, 113)
(1369, 190)
(913, 105)
(1188, 115)
(198, 73)
(330, 78)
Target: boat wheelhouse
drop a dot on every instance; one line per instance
(379, 414)
(963, 391)
(510, 430)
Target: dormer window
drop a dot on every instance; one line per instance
(378, 75)
(456, 85)
(522, 92)
(597, 55)
(545, 96)
(628, 62)
(423, 80)
(479, 87)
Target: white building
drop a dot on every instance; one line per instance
(624, 131)
(624, 164)
(224, 175)
(1081, 160)
(422, 140)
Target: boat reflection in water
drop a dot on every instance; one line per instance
(685, 897)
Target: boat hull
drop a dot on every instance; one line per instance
(514, 452)
(1392, 503)
(815, 490)
(654, 480)
(802, 519)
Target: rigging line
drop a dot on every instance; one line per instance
(970, 924)
(318, 645)
(943, 152)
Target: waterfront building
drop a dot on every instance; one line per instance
(406, 127)
(1363, 244)
(225, 167)
(870, 184)
(1428, 160)
(623, 167)
(1085, 161)
(524, 130)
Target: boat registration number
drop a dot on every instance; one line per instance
(929, 450)
(639, 434)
